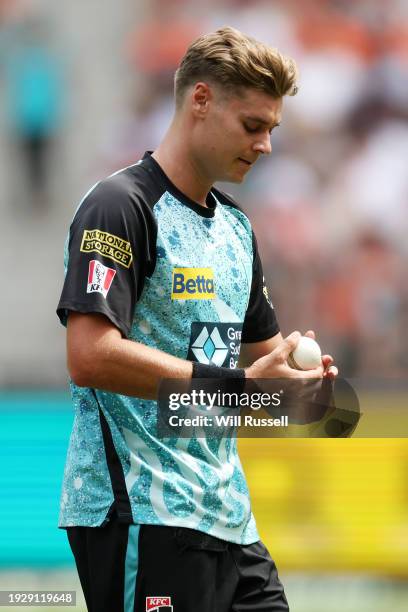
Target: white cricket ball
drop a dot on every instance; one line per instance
(306, 356)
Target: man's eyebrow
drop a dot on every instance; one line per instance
(261, 120)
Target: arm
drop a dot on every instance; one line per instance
(99, 357)
(251, 351)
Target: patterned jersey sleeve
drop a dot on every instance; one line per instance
(260, 321)
(107, 255)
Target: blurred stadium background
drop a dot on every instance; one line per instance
(86, 89)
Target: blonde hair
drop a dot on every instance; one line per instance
(234, 61)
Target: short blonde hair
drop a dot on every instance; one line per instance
(234, 61)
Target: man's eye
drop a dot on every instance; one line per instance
(253, 130)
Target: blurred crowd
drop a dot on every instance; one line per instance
(34, 92)
(329, 207)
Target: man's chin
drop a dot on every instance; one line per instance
(232, 177)
(235, 178)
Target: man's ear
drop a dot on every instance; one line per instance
(201, 96)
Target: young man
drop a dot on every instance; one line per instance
(160, 267)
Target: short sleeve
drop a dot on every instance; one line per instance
(107, 255)
(260, 321)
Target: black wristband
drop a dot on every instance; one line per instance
(201, 370)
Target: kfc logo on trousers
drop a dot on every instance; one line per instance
(158, 604)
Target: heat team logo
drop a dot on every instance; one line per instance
(158, 604)
(193, 284)
(99, 278)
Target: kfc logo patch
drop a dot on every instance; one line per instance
(100, 278)
(158, 604)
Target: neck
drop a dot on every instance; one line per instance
(178, 162)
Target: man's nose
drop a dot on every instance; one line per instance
(264, 145)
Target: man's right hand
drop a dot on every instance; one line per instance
(275, 365)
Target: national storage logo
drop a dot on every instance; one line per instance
(193, 284)
(108, 245)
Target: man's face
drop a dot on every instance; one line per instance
(234, 132)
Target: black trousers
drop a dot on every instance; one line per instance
(139, 568)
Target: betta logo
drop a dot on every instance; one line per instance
(159, 604)
(193, 284)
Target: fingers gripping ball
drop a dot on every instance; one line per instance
(306, 356)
